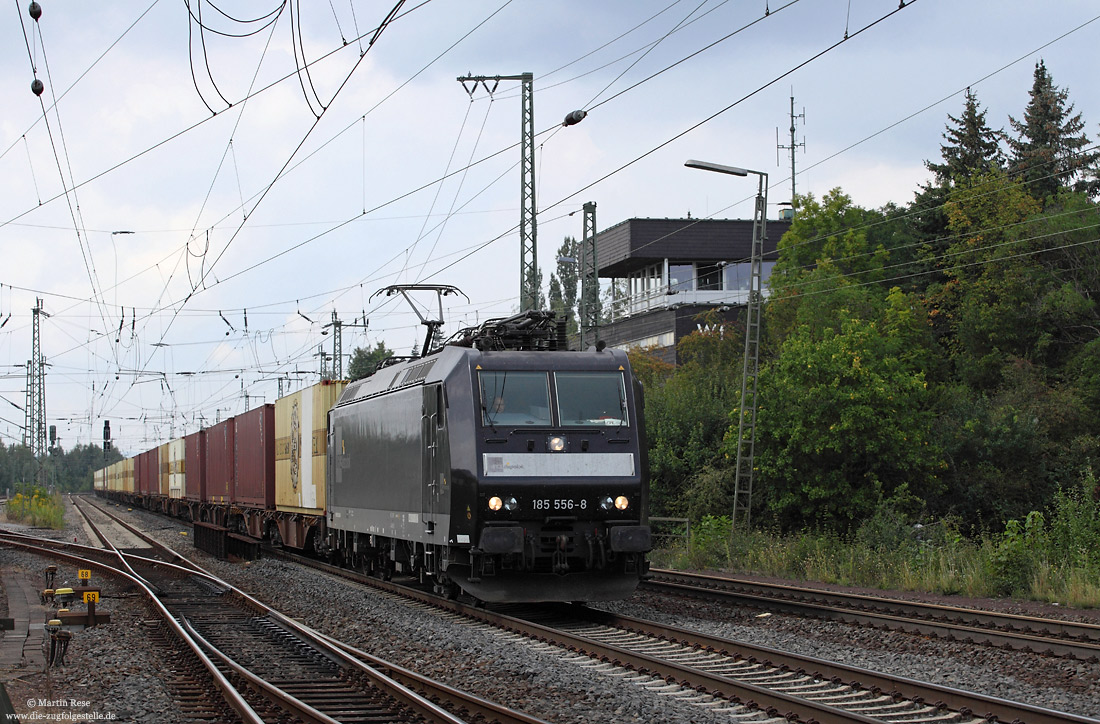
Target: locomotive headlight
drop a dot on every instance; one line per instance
(510, 504)
(607, 503)
(556, 444)
(622, 503)
(495, 503)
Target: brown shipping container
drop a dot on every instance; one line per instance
(164, 469)
(135, 475)
(145, 479)
(255, 444)
(151, 474)
(220, 467)
(194, 466)
(301, 446)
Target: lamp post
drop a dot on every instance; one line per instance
(746, 425)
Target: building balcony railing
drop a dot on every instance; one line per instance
(657, 299)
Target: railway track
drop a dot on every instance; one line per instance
(749, 682)
(1008, 631)
(269, 667)
(725, 675)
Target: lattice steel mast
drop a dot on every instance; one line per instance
(337, 370)
(590, 281)
(528, 228)
(34, 436)
(746, 426)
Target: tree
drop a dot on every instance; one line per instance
(365, 361)
(564, 283)
(826, 249)
(65, 470)
(843, 425)
(1008, 450)
(972, 146)
(984, 314)
(687, 413)
(1049, 152)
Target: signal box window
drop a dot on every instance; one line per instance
(514, 398)
(591, 398)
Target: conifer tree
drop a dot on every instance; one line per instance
(564, 283)
(1051, 151)
(972, 146)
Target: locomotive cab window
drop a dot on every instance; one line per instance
(514, 398)
(591, 398)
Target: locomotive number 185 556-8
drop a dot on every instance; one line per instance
(559, 504)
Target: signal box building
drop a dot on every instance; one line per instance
(667, 272)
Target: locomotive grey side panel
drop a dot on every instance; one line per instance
(437, 474)
(378, 450)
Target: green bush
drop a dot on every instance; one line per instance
(1075, 527)
(1018, 554)
(37, 508)
(710, 542)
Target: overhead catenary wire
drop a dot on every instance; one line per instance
(313, 126)
(1063, 35)
(446, 169)
(197, 124)
(66, 184)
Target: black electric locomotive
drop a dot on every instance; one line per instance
(500, 465)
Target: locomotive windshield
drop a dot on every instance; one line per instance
(583, 398)
(591, 398)
(515, 398)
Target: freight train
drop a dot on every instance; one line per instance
(500, 464)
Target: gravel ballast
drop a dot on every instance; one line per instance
(553, 685)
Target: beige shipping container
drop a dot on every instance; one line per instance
(301, 444)
(99, 478)
(175, 468)
(163, 466)
(127, 475)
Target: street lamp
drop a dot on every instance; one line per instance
(746, 426)
(718, 168)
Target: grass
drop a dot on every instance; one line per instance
(37, 508)
(1056, 562)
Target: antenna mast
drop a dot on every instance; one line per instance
(793, 147)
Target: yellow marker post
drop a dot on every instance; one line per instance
(84, 574)
(91, 598)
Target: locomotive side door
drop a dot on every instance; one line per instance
(434, 474)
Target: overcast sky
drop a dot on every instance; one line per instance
(251, 184)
